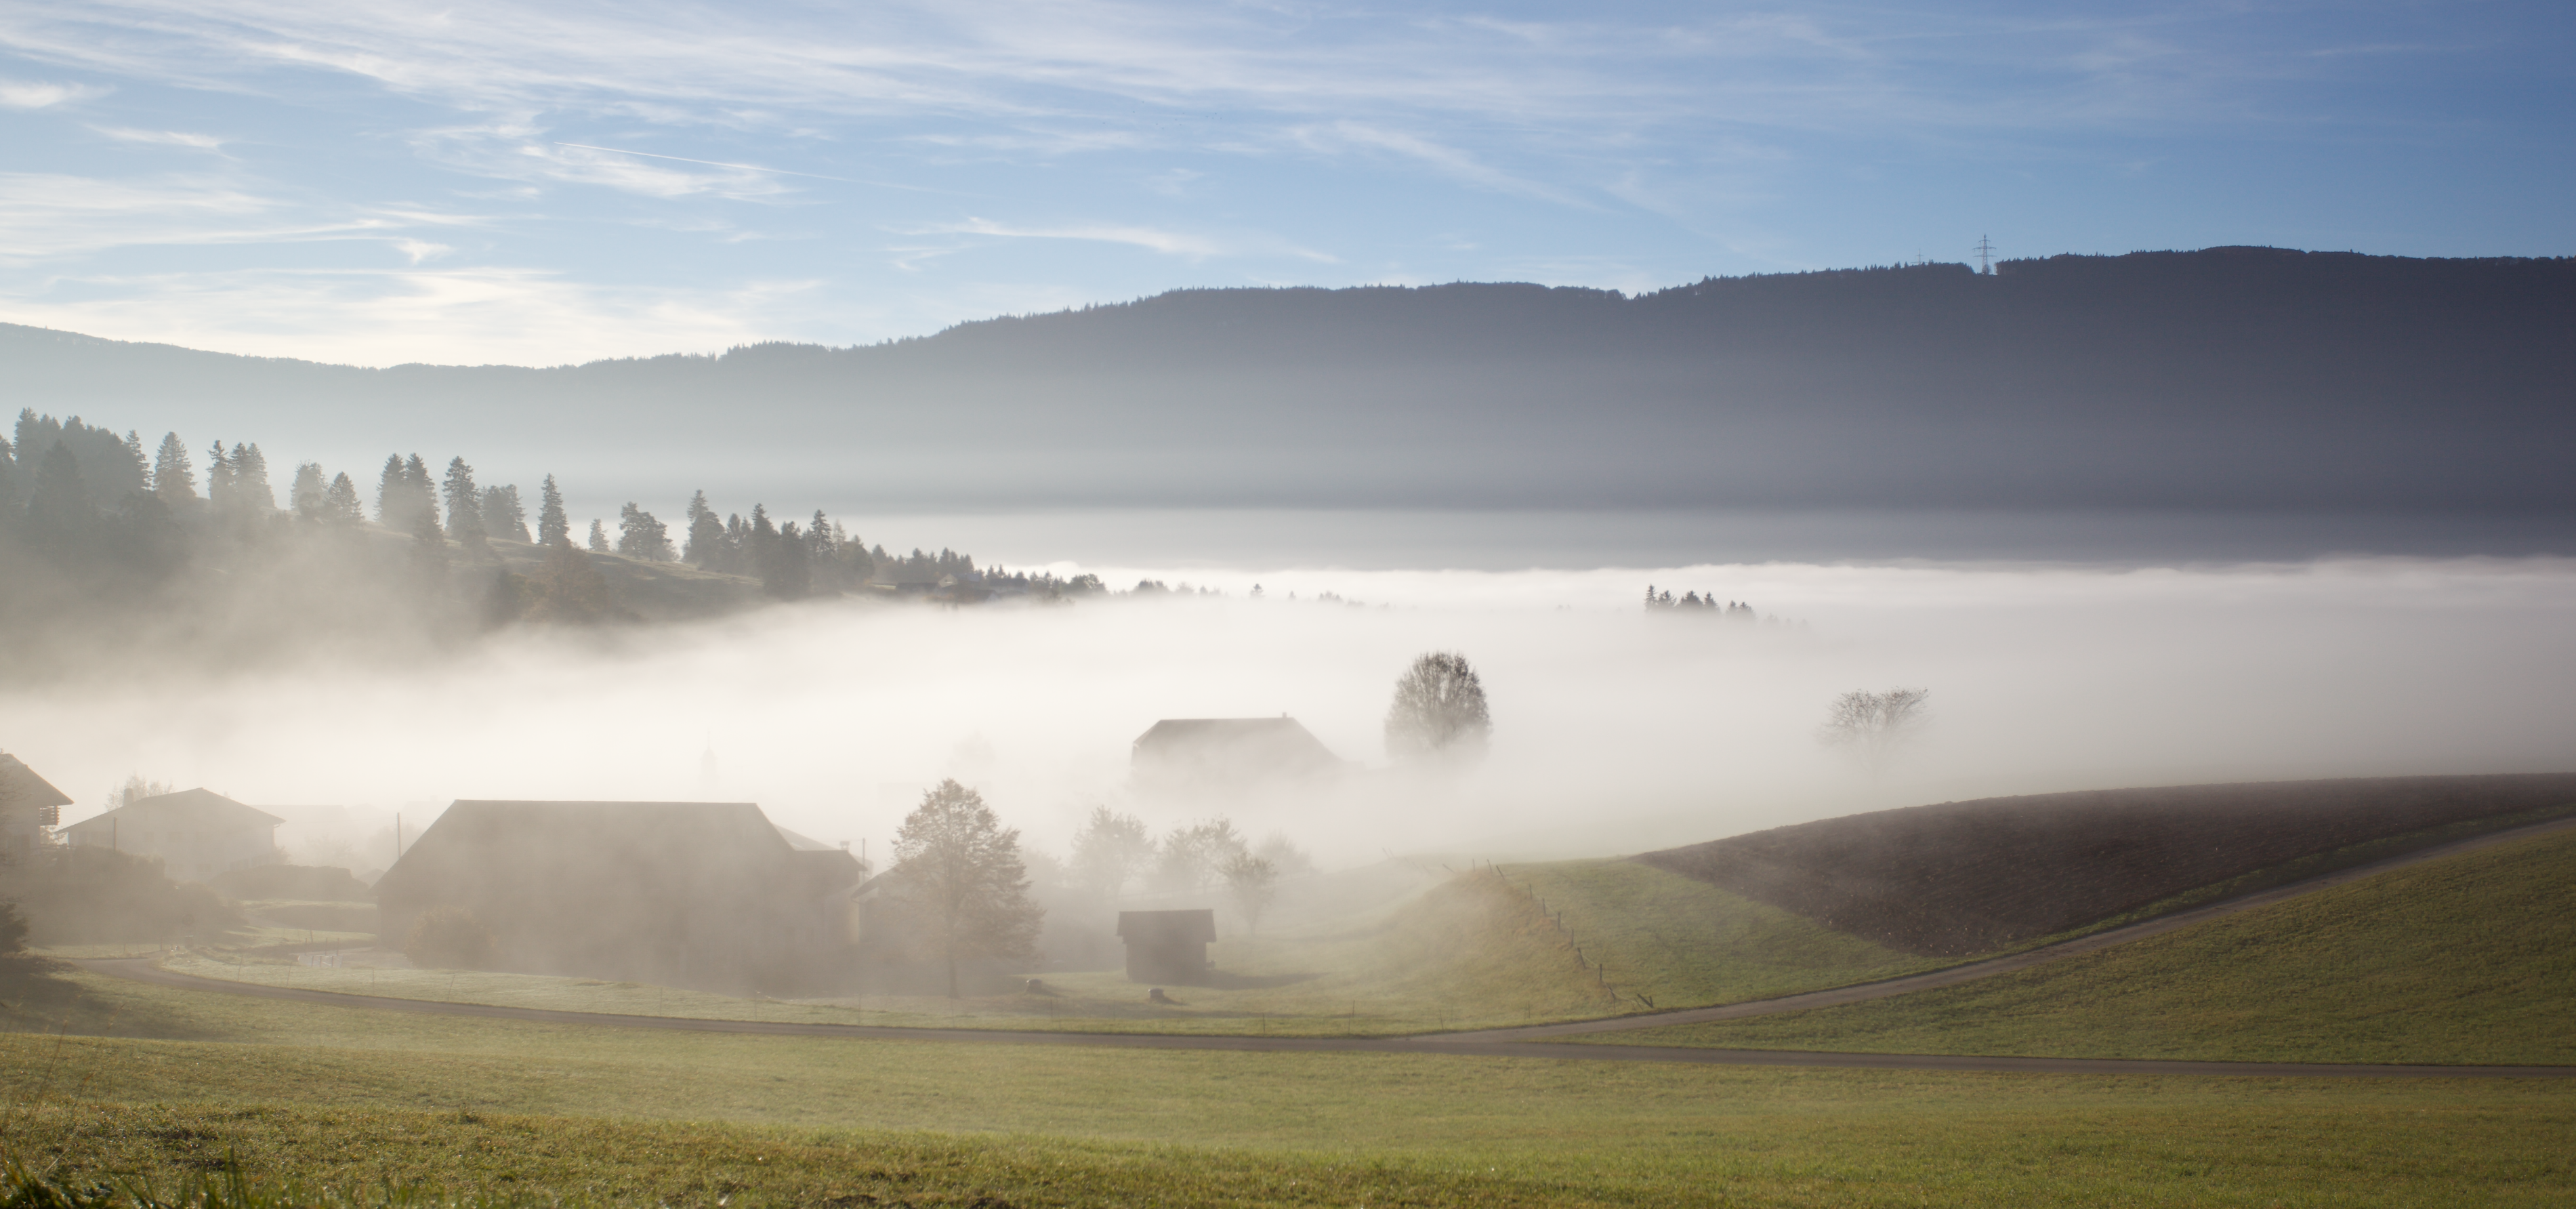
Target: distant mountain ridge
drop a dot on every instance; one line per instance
(2229, 378)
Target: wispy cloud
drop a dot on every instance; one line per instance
(19, 94)
(462, 316)
(169, 138)
(1170, 243)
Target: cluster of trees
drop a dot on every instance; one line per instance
(1696, 602)
(1114, 851)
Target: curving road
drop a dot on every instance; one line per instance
(1532, 1041)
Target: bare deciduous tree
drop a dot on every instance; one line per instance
(1439, 710)
(1871, 728)
(959, 871)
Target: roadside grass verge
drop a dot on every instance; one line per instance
(2469, 959)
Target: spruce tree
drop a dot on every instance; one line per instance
(251, 492)
(219, 478)
(173, 479)
(705, 536)
(503, 516)
(59, 513)
(598, 537)
(9, 477)
(785, 571)
(310, 495)
(464, 505)
(553, 528)
(391, 493)
(342, 502)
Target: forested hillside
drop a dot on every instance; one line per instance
(2240, 378)
(108, 552)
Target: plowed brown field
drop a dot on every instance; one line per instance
(1969, 877)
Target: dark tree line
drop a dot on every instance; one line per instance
(98, 535)
(1694, 602)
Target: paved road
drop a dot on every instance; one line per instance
(1525, 1042)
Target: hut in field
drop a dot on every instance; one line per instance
(29, 805)
(707, 894)
(1167, 946)
(196, 833)
(1227, 757)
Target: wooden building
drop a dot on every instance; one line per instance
(196, 833)
(704, 894)
(1227, 757)
(29, 807)
(1167, 946)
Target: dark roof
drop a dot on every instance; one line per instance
(630, 843)
(20, 786)
(1167, 927)
(196, 805)
(1246, 746)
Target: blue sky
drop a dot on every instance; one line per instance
(370, 182)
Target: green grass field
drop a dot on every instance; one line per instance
(348, 1098)
(2470, 958)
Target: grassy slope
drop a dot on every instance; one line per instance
(345, 1097)
(1683, 943)
(2471, 958)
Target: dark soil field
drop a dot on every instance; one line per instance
(1969, 877)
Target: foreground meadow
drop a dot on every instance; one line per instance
(187, 1083)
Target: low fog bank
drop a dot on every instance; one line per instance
(1616, 728)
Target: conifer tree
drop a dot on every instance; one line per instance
(219, 478)
(705, 535)
(59, 513)
(641, 535)
(553, 528)
(9, 477)
(173, 479)
(598, 537)
(785, 571)
(503, 516)
(342, 502)
(251, 492)
(464, 505)
(390, 494)
(310, 496)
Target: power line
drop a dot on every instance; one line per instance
(1985, 255)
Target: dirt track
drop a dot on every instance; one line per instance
(1531, 1042)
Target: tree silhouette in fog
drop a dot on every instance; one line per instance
(1110, 851)
(1439, 710)
(552, 527)
(958, 872)
(1871, 728)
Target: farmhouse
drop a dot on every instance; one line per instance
(707, 894)
(197, 833)
(1167, 946)
(1199, 757)
(28, 805)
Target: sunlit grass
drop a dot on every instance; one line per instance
(2469, 958)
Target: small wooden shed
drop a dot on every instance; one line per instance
(1167, 946)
